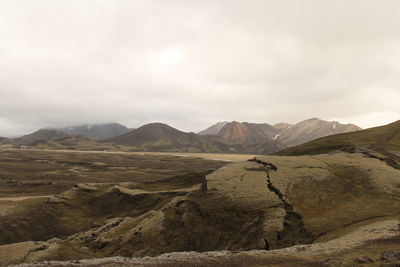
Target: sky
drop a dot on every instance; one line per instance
(193, 63)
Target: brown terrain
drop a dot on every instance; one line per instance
(213, 129)
(340, 208)
(264, 206)
(44, 172)
(247, 133)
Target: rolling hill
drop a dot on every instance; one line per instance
(97, 131)
(161, 137)
(4, 140)
(43, 134)
(72, 142)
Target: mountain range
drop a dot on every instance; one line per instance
(222, 137)
(337, 208)
(161, 137)
(264, 138)
(298, 209)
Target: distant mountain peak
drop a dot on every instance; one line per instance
(311, 129)
(214, 129)
(247, 133)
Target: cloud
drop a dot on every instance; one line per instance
(193, 63)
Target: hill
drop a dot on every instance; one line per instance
(304, 131)
(73, 142)
(43, 134)
(161, 137)
(381, 139)
(97, 131)
(214, 129)
(4, 140)
(248, 133)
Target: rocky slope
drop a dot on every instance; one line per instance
(254, 137)
(161, 137)
(97, 131)
(384, 140)
(282, 126)
(213, 129)
(247, 133)
(262, 138)
(302, 132)
(375, 244)
(266, 203)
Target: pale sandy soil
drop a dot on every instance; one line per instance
(20, 198)
(212, 156)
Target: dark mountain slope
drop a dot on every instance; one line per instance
(4, 140)
(97, 131)
(43, 134)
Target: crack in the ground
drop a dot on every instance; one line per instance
(389, 158)
(294, 232)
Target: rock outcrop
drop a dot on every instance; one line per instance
(317, 205)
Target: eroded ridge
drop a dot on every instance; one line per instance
(294, 232)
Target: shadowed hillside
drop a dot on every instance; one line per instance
(4, 140)
(97, 131)
(72, 142)
(43, 134)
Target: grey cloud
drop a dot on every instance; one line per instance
(192, 63)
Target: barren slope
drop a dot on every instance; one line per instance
(302, 132)
(381, 139)
(269, 202)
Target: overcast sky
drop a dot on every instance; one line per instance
(192, 63)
